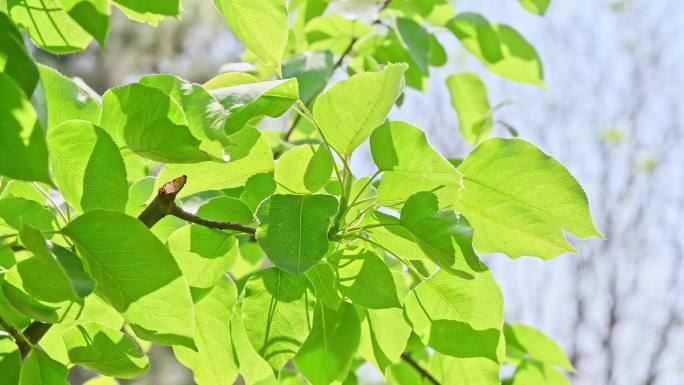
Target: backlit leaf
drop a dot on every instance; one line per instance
(40, 369)
(518, 200)
(136, 274)
(66, 100)
(469, 99)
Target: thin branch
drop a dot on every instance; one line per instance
(179, 213)
(164, 204)
(20, 339)
(406, 357)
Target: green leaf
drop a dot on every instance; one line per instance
(327, 353)
(365, 279)
(249, 155)
(94, 310)
(275, 314)
(14, 211)
(10, 360)
(257, 188)
(49, 25)
(54, 274)
(15, 59)
(150, 123)
(22, 141)
(531, 372)
(349, 111)
(212, 363)
(537, 7)
(293, 229)
(499, 47)
(248, 101)
(87, 166)
(442, 236)
(91, 15)
(463, 319)
(262, 26)
(66, 100)
(101, 380)
(469, 99)
(40, 369)
(334, 33)
(204, 255)
(253, 368)
(523, 209)
(303, 169)
(312, 71)
(151, 7)
(106, 351)
(325, 285)
(139, 194)
(226, 209)
(532, 342)
(410, 165)
(202, 111)
(416, 40)
(136, 274)
(384, 335)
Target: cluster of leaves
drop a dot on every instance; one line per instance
(326, 270)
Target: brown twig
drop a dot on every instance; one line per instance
(409, 360)
(20, 339)
(164, 204)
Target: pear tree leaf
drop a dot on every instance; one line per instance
(247, 101)
(499, 47)
(54, 274)
(538, 7)
(293, 229)
(151, 123)
(446, 239)
(49, 25)
(411, 165)
(66, 100)
(303, 169)
(226, 209)
(40, 369)
(14, 211)
(136, 274)
(334, 33)
(91, 15)
(15, 58)
(253, 368)
(276, 314)
(312, 71)
(384, 336)
(87, 166)
(417, 41)
(204, 255)
(350, 110)
(204, 115)
(533, 372)
(327, 353)
(213, 362)
(365, 279)
(462, 319)
(140, 192)
(94, 310)
(469, 99)
(150, 8)
(518, 200)
(106, 351)
(10, 360)
(22, 140)
(262, 26)
(533, 343)
(250, 155)
(325, 285)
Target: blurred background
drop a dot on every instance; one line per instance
(612, 113)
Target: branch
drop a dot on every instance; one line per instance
(406, 357)
(164, 204)
(22, 342)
